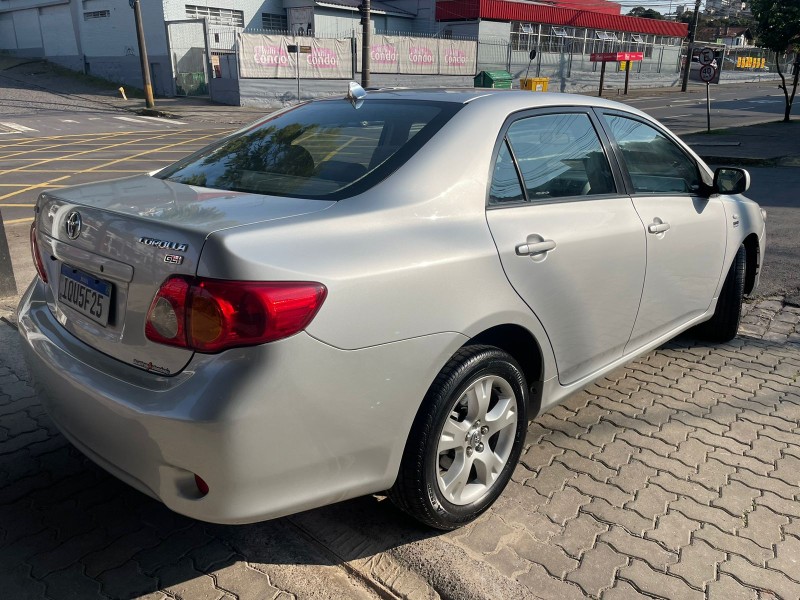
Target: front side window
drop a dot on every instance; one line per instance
(560, 155)
(327, 150)
(656, 164)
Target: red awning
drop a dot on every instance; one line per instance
(507, 10)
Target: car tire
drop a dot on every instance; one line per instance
(722, 327)
(446, 480)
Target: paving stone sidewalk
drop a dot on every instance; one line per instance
(674, 477)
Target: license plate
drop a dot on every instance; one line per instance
(85, 293)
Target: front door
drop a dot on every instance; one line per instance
(572, 246)
(685, 230)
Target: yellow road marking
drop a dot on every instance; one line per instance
(74, 171)
(16, 221)
(119, 160)
(3, 205)
(49, 160)
(34, 187)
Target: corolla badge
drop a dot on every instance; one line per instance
(73, 225)
(163, 244)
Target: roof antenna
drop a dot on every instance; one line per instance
(356, 94)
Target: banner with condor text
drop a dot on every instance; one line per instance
(420, 56)
(267, 57)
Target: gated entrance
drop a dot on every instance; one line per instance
(189, 55)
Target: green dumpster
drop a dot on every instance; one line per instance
(493, 79)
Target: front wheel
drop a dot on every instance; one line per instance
(466, 439)
(722, 327)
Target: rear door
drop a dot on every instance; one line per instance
(570, 242)
(686, 230)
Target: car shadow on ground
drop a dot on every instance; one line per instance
(67, 524)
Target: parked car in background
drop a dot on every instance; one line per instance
(374, 293)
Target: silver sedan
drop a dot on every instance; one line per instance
(374, 293)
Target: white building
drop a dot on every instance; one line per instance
(99, 36)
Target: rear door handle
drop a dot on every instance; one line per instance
(658, 227)
(535, 248)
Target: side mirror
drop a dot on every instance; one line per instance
(730, 180)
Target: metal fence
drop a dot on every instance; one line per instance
(564, 57)
(563, 53)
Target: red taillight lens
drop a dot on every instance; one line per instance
(36, 255)
(211, 315)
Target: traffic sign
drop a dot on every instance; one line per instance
(707, 73)
(706, 56)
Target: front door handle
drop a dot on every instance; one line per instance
(535, 248)
(658, 227)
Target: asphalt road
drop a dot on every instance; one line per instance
(732, 105)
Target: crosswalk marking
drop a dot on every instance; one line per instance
(149, 119)
(131, 120)
(169, 121)
(15, 127)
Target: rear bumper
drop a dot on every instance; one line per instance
(272, 429)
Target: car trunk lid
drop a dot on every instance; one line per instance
(108, 247)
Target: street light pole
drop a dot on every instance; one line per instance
(148, 87)
(688, 66)
(366, 32)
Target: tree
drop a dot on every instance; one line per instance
(647, 13)
(778, 29)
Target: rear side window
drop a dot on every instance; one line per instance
(326, 150)
(505, 181)
(560, 155)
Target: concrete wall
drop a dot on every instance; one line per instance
(225, 91)
(105, 46)
(494, 31)
(114, 35)
(58, 39)
(29, 32)
(175, 10)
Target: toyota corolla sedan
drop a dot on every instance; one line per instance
(374, 293)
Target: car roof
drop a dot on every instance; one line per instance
(509, 100)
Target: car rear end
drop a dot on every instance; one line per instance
(205, 391)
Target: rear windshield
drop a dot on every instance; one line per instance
(327, 150)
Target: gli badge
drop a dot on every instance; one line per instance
(174, 259)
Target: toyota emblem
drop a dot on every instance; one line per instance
(73, 225)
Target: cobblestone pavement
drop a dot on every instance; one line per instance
(674, 477)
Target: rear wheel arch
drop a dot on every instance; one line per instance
(525, 349)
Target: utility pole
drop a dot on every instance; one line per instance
(148, 87)
(692, 32)
(366, 32)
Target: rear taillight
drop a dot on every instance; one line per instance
(211, 315)
(36, 255)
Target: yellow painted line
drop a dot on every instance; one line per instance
(73, 171)
(119, 160)
(17, 221)
(50, 160)
(4, 205)
(92, 159)
(34, 187)
(22, 185)
(91, 137)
